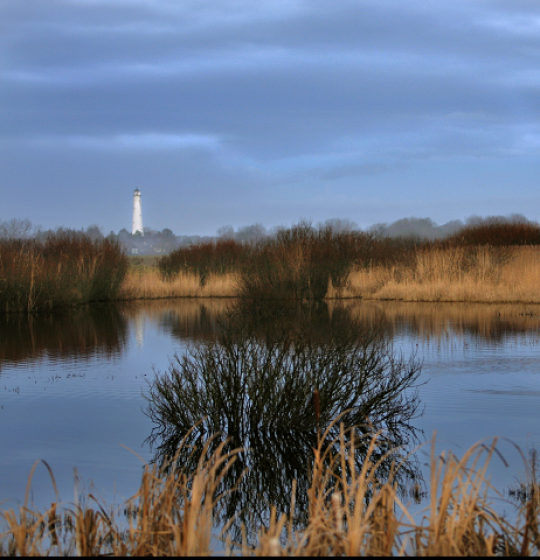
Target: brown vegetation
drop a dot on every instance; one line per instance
(497, 232)
(220, 257)
(62, 270)
(148, 283)
(458, 274)
(297, 264)
(350, 512)
(491, 261)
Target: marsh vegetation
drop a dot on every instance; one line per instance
(489, 261)
(349, 511)
(65, 269)
(290, 429)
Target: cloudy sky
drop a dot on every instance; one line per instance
(232, 112)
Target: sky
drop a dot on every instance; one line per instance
(235, 112)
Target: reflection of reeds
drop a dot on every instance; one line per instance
(350, 513)
(80, 333)
(438, 320)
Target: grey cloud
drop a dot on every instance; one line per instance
(360, 170)
(266, 92)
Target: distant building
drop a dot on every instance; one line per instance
(137, 225)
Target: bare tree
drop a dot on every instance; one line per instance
(16, 229)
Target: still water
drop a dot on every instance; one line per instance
(72, 386)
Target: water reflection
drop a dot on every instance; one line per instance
(485, 322)
(196, 320)
(77, 334)
(271, 380)
(184, 319)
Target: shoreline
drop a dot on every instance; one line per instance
(433, 276)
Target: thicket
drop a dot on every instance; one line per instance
(497, 232)
(297, 263)
(301, 262)
(209, 257)
(64, 269)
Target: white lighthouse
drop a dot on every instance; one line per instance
(137, 213)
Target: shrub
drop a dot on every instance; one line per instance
(65, 269)
(498, 232)
(221, 257)
(299, 263)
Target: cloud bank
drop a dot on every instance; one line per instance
(240, 112)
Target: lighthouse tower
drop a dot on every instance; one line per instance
(137, 213)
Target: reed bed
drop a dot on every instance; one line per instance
(458, 274)
(350, 513)
(149, 283)
(492, 261)
(64, 270)
(430, 274)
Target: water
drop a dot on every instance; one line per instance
(71, 386)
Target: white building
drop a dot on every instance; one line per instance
(137, 213)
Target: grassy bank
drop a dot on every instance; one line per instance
(149, 283)
(350, 513)
(490, 262)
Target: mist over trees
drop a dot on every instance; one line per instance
(155, 242)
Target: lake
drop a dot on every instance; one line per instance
(72, 385)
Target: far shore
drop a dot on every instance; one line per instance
(433, 278)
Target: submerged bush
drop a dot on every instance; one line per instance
(275, 391)
(65, 269)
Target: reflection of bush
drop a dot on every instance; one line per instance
(256, 386)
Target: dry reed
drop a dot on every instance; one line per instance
(148, 283)
(63, 270)
(453, 274)
(351, 513)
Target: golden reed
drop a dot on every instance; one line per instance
(436, 275)
(350, 513)
(147, 283)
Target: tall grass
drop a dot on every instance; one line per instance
(494, 260)
(149, 283)
(350, 513)
(429, 272)
(65, 269)
(464, 274)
